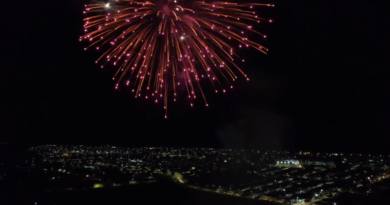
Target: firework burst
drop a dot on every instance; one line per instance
(164, 46)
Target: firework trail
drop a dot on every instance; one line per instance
(164, 46)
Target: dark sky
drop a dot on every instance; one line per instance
(323, 85)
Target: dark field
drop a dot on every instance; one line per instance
(153, 193)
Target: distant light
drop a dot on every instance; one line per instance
(107, 5)
(182, 37)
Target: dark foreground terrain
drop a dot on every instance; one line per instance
(162, 192)
(152, 193)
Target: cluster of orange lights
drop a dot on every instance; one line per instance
(165, 46)
(304, 153)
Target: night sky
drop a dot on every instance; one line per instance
(323, 86)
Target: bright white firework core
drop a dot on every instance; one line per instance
(107, 5)
(182, 37)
